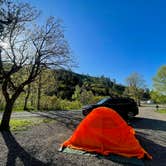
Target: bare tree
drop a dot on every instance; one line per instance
(24, 46)
(136, 84)
(5, 18)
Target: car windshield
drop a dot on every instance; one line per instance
(102, 101)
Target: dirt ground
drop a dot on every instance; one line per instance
(39, 144)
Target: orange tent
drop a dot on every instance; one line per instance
(103, 131)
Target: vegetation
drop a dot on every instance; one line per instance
(24, 124)
(68, 82)
(159, 81)
(64, 90)
(158, 97)
(158, 94)
(161, 111)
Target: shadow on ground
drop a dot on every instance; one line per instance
(154, 147)
(71, 122)
(15, 151)
(157, 151)
(145, 123)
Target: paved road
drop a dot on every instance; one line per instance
(150, 128)
(144, 112)
(24, 114)
(49, 114)
(150, 112)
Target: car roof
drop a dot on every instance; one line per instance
(124, 99)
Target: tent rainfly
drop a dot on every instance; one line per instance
(103, 131)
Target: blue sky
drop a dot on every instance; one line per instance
(113, 38)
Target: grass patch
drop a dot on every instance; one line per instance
(161, 111)
(24, 124)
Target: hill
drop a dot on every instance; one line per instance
(66, 82)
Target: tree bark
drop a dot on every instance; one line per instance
(26, 98)
(39, 93)
(6, 116)
(4, 126)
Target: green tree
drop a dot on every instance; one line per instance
(82, 95)
(45, 85)
(24, 46)
(65, 82)
(158, 97)
(86, 97)
(159, 81)
(77, 93)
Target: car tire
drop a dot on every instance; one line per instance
(85, 112)
(130, 115)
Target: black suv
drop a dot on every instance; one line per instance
(126, 107)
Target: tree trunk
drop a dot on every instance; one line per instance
(39, 93)
(26, 98)
(4, 126)
(6, 116)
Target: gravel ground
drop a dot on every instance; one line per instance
(39, 145)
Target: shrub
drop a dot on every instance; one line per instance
(74, 105)
(55, 103)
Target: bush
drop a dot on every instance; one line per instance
(55, 103)
(86, 97)
(157, 97)
(74, 105)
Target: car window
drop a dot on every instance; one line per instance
(119, 101)
(123, 101)
(102, 101)
(112, 101)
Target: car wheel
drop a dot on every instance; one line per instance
(85, 112)
(130, 114)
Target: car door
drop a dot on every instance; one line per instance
(112, 103)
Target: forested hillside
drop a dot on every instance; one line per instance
(63, 89)
(67, 81)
